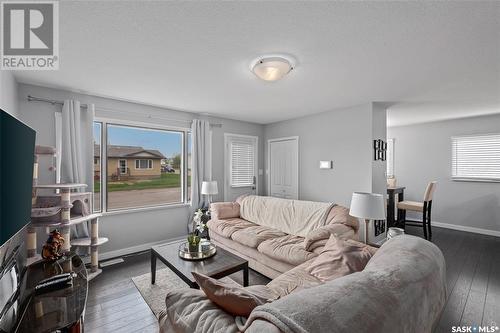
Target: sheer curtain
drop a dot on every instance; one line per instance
(200, 132)
(74, 145)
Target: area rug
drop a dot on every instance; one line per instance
(166, 280)
(154, 294)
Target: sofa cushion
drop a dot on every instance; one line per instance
(224, 210)
(258, 261)
(228, 226)
(340, 257)
(254, 235)
(189, 310)
(286, 248)
(293, 280)
(233, 298)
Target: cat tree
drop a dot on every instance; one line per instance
(61, 209)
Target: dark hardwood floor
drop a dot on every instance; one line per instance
(115, 305)
(473, 279)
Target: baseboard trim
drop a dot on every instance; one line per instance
(466, 228)
(134, 249)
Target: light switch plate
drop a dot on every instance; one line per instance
(325, 164)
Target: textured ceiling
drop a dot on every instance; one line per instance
(195, 56)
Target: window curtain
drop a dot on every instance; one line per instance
(74, 145)
(201, 157)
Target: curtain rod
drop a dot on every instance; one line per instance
(51, 101)
(55, 102)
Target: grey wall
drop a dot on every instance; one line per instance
(8, 93)
(423, 153)
(131, 229)
(343, 136)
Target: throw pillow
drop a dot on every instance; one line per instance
(233, 298)
(224, 210)
(340, 257)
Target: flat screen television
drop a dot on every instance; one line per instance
(17, 148)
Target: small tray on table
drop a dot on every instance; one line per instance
(205, 250)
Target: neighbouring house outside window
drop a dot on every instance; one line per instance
(141, 166)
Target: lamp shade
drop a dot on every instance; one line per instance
(209, 188)
(272, 68)
(368, 206)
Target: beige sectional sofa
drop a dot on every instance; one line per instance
(267, 245)
(401, 289)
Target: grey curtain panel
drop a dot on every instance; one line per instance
(200, 132)
(76, 139)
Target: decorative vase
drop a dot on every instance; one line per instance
(193, 243)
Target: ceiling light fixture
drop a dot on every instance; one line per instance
(272, 68)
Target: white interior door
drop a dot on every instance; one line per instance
(284, 168)
(241, 165)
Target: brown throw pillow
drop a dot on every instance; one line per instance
(340, 257)
(233, 298)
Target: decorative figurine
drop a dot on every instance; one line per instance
(51, 249)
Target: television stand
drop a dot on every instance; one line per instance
(57, 310)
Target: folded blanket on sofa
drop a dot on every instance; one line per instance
(294, 217)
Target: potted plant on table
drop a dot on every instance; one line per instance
(199, 227)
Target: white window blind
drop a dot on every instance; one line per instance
(390, 158)
(476, 157)
(242, 162)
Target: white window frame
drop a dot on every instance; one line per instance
(101, 196)
(474, 178)
(120, 166)
(104, 164)
(150, 162)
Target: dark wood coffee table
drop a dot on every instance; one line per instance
(223, 263)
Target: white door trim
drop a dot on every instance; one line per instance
(226, 183)
(268, 173)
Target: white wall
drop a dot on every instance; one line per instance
(379, 131)
(343, 136)
(423, 153)
(8, 93)
(128, 230)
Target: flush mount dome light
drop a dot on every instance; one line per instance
(272, 68)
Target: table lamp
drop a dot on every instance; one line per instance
(209, 188)
(367, 206)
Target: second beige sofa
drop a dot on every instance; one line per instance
(271, 251)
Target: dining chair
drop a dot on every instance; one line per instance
(424, 207)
